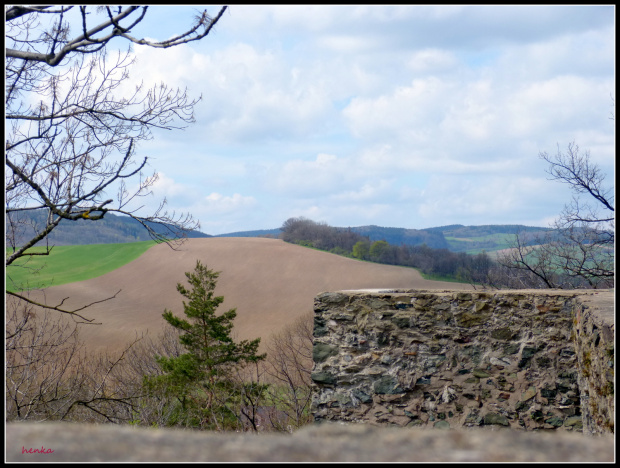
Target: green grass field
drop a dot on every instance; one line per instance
(68, 264)
(476, 245)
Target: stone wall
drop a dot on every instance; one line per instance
(453, 359)
(593, 334)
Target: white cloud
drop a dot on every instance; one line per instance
(453, 199)
(167, 187)
(216, 203)
(368, 192)
(365, 113)
(220, 214)
(247, 94)
(432, 61)
(326, 174)
(345, 44)
(163, 187)
(409, 112)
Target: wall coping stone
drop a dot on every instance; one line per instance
(314, 443)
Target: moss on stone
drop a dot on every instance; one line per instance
(496, 419)
(481, 373)
(468, 319)
(321, 351)
(503, 334)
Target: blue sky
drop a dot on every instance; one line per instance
(404, 116)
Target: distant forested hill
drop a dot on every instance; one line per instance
(257, 233)
(475, 239)
(396, 236)
(458, 230)
(112, 229)
(402, 236)
(454, 237)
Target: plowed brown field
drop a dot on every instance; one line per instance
(270, 282)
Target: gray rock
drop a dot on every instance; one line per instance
(321, 351)
(555, 422)
(481, 373)
(574, 421)
(387, 384)
(332, 298)
(323, 377)
(496, 419)
(504, 334)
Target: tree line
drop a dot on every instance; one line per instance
(579, 257)
(430, 261)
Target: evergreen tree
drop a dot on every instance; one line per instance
(202, 380)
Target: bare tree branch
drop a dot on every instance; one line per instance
(89, 42)
(579, 251)
(72, 133)
(576, 170)
(58, 307)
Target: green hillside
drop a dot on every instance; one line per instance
(68, 264)
(477, 244)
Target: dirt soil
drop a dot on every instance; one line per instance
(269, 281)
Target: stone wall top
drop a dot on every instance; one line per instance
(601, 301)
(546, 292)
(79, 443)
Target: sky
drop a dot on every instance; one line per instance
(400, 116)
